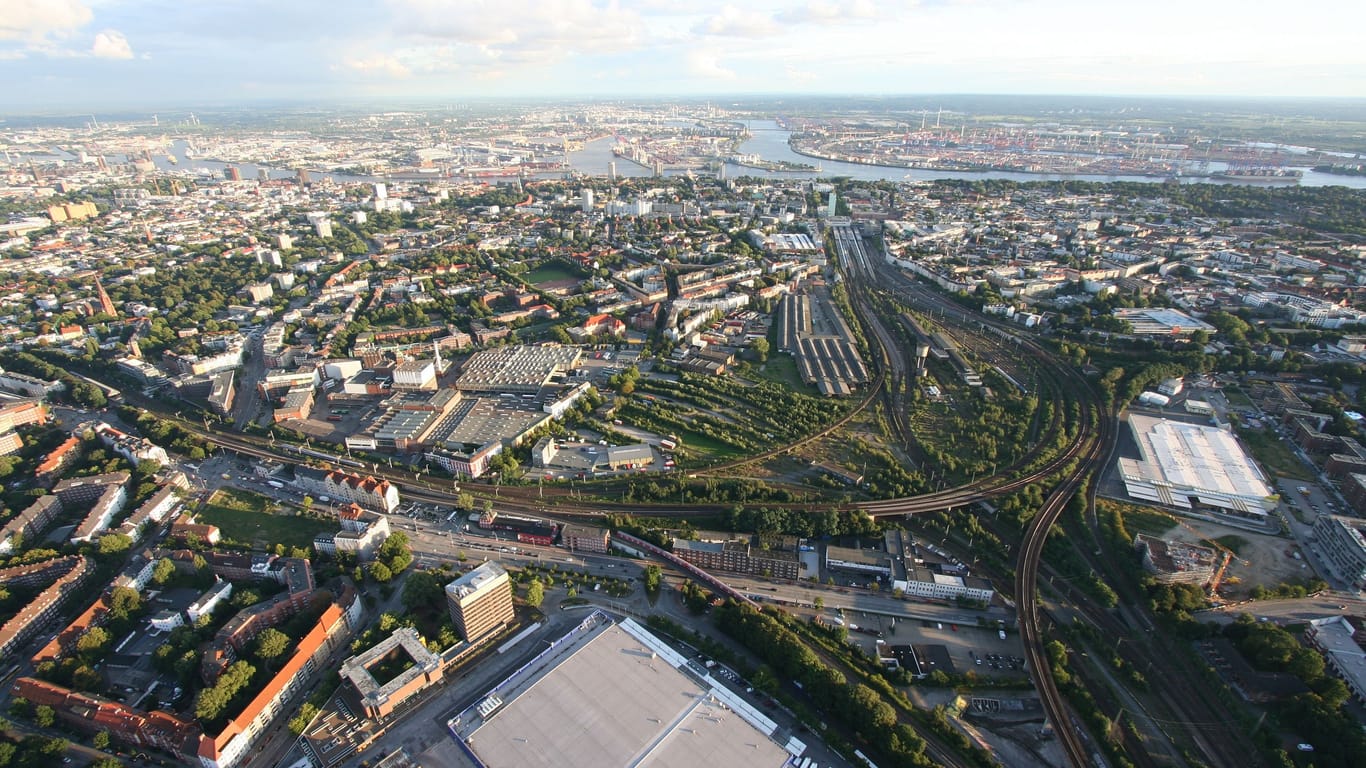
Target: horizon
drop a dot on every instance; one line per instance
(104, 54)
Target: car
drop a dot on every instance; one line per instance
(979, 662)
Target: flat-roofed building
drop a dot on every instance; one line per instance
(391, 672)
(29, 386)
(866, 561)
(1190, 466)
(481, 602)
(1335, 638)
(632, 700)
(772, 558)
(1161, 321)
(517, 369)
(1342, 541)
(584, 538)
(415, 374)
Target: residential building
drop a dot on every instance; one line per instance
(761, 556)
(584, 538)
(1336, 638)
(1342, 542)
(368, 492)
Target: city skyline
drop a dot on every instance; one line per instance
(104, 53)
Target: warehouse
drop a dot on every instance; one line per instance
(632, 700)
(1191, 466)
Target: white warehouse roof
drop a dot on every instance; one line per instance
(1183, 464)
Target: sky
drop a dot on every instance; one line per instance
(87, 54)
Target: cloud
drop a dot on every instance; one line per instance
(734, 22)
(37, 20)
(707, 65)
(538, 30)
(111, 44)
(381, 64)
(821, 12)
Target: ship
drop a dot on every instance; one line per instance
(1264, 175)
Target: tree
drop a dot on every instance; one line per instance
(163, 571)
(535, 594)
(299, 723)
(44, 716)
(760, 347)
(114, 543)
(271, 643)
(101, 740)
(93, 640)
(465, 500)
(124, 602)
(653, 574)
(380, 572)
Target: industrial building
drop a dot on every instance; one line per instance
(863, 561)
(810, 327)
(516, 369)
(481, 602)
(586, 458)
(632, 700)
(1161, 321)
(1194, 466)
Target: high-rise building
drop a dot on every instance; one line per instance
(586, 198)
(232, 173)
(480, 601)
(830, 206)
(381, 191)
(321, 224)
(303, 177)
(612, 170)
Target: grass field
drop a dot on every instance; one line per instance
(1137, 519)
(549, 273)
(782, 369)
(244, 518)
(1274, 454)
(1237, 399)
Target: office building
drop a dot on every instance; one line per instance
(481, 602)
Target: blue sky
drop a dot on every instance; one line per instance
(86, 54)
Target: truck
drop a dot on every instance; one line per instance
(276, 484)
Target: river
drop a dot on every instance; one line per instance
(769, 142)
